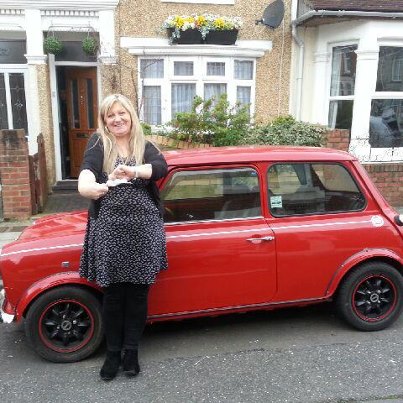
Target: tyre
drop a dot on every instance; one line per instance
(64, 324)
(370, 297)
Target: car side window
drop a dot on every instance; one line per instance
(312, 188)
(211, 194)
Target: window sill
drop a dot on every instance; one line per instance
(161, 46)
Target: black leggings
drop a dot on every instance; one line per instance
(124, 315)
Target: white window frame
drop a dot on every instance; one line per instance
(199, 78)
(7, 70)
(385, 154)
(331, 98)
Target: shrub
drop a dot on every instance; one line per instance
(218, 124)
(146, 129)
(285, 130)
(212, 122)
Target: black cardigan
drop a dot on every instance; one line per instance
(94, 159)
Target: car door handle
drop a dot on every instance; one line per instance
(261, 239)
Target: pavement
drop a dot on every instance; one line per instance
(57, 203)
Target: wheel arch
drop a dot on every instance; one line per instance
(366, 256)
(46, 284)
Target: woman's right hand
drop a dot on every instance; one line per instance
(89, 188)
(96, 190)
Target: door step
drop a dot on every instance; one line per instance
(65, 186)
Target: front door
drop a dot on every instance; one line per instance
(82, 110)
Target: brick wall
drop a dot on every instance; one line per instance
(14, 175)
(338, 139)
(388, 177)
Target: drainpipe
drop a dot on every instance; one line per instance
(300, 69)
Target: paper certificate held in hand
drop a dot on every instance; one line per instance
(115, 182)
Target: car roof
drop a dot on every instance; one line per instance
(247, 154)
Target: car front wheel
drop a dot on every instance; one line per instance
(370, 298)
(64, 324)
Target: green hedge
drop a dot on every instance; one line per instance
(285, 130)
(216, 123)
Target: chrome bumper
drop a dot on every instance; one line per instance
(4, 317)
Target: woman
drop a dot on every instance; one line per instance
(124, 247)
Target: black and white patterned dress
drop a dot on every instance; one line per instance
(126, 241)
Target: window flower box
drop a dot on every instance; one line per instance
(204, 28)
(189, 36)
(225, 37)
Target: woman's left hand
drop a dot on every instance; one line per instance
(129, 172)
(122, 172)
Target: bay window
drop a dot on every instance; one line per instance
(169, 85)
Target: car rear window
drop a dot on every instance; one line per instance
(211, 194)
(312, 188)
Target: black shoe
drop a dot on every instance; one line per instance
(111, 365)
(131, 365)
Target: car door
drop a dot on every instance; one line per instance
(221, 252)
(321, 217)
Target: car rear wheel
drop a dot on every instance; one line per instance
(64, 324)
(370, 298)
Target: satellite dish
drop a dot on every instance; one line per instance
(273, 14)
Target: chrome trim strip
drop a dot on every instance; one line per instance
(320, 224)
(213, 220)
(218, 233)
(41, 249)
(238, 307)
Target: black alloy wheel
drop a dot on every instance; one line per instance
(370, 297)
(64, 324)
(374, 298)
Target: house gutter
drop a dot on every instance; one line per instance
(343, 13)
(325, 13)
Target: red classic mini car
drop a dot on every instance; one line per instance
(247, 228)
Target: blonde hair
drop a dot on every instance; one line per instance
(137, 140)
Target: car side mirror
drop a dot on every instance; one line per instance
(399, 219)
